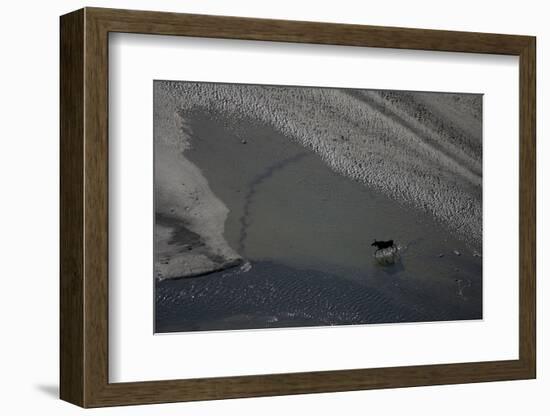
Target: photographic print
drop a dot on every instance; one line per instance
(291, 206)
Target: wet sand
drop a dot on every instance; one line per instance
(418, 148)
(306, 230)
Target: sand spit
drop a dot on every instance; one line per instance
(420, 149)
(189, 219)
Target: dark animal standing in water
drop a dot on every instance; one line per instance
(380, 245)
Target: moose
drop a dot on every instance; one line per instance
(380, 245)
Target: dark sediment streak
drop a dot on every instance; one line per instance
(257, 181)
(307, 232)
(421, 149)
(294, 189)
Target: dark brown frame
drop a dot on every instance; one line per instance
(84, 210)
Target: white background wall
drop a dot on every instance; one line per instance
(29, 211)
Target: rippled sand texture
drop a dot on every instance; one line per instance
(292, 186)
(275, 296)
(422, 149)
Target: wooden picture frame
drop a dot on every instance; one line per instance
(84, 207)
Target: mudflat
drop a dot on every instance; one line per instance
(285, 237)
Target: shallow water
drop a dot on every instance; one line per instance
(271, 295)
(307, 232)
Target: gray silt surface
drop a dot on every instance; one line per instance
(290, 211)
(420, 148)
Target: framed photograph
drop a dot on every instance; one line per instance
(255, 207)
